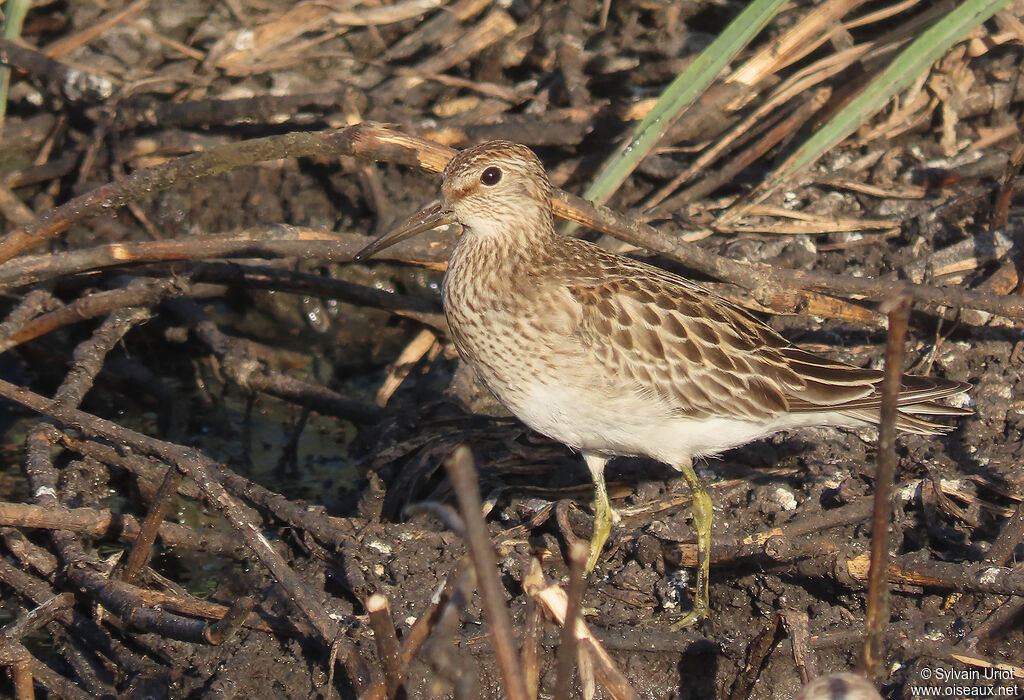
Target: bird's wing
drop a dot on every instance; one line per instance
(701, 354)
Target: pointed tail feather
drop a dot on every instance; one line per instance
(907, 422)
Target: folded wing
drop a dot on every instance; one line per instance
(705, 357)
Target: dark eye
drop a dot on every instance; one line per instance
(491, 176)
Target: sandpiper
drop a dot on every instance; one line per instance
(615, 357)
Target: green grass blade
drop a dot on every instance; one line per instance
(906, 67)
(679, 95)
(15, 11)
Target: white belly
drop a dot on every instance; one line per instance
(631, 424)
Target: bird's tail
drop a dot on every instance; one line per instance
(918, 399)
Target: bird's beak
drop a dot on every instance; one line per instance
(426, 219)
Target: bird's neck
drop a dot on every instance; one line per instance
(485, 259)
(512, 240)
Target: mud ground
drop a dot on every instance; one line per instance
(955, 492)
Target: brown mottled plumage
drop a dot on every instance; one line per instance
(615, 357)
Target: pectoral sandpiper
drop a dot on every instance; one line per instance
(615, 357)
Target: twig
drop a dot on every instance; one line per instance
(270, 242)
(462, 473)
(758, 650)
(1011, 535)
(69, 42)
(1002, 618)
(403, 364)
(556, 603)
(12, 208)
(567, 642)
(56, 683)
(531, 647)
(21, 673)
(137, 293)
(1000, 211)
(275, 241)
(90, 354)
(423, 626)
(780, 544)
(237, 363)
(386, 640)
(797, 626)
(908, 570)
(878, 602)
(35, 302)
(218, 632)
(715, 179)
(142, 548)
(82, 627)
(149, 471)
(123, 600)
(424, 310)
(102, 522)
(442, 658)
(37, 617)
(191, 607)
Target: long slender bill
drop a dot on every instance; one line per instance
(424, 220)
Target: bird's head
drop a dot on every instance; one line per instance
(498, 188)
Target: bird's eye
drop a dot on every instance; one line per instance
(491, 176)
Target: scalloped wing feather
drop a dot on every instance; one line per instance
(705, 357)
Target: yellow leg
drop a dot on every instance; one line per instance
(702, 515)
(604, 516)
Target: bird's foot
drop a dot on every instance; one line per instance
(692, 618)
(604, 516)
(602, 528)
